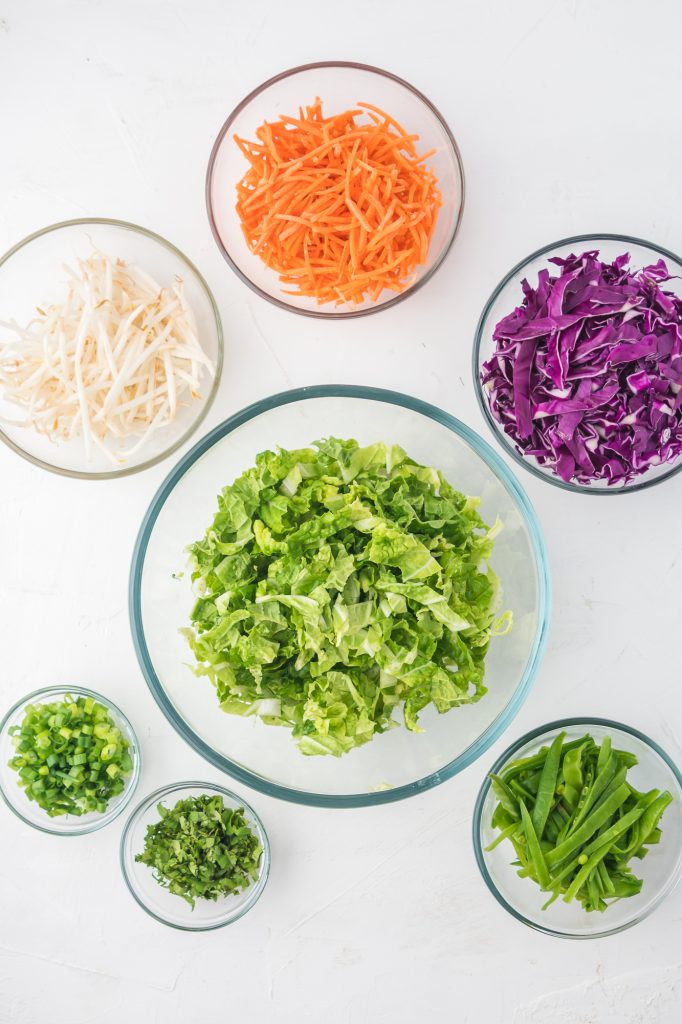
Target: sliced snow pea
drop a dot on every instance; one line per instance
(505, 796)
(575, 821)
(546, 789)
(595, 820)
(535, 854)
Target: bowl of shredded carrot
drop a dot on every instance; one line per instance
(335, 190)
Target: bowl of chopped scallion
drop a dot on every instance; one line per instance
(69, 760)
(195, 856)
(578, 828)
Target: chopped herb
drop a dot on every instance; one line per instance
(201, 849)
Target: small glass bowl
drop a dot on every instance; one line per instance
(29, 811)
(165, 906)
(340, 85)
(660, 870)
(33, 271)
(507, 296)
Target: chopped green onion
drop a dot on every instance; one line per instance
(70, 769)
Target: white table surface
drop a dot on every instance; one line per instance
(567, 114)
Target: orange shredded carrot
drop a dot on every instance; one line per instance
(341, 209)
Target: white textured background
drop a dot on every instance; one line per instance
(567, 114)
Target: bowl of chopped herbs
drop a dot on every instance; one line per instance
(195, 856)
(69, 760)
(578, 828)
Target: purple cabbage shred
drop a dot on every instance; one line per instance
(587, 372)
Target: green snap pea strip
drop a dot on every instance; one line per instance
(533, 846)
(599, 817)
(575, 822)
(545, 793)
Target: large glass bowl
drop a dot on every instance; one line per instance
(32, 813)
(340, 85)
(163, 905)
(507, 295)
(398, 763)
(33, 271)
(660, 870)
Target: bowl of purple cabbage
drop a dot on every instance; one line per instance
(578, 362)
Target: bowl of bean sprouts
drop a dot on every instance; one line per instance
(111, 348)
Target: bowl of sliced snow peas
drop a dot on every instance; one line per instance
(578, 828)
(69, 760)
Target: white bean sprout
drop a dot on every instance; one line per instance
(115, 361)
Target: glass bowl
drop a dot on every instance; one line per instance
(508, 295)
(398, 763)
(33, 272)
(340, 85)
(28, 810)
(165, 906)
(660, 869)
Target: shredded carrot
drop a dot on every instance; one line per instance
(340, 209)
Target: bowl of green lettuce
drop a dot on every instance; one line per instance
(340, 596)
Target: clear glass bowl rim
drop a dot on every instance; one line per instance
(177, 787)
(496, 727)
(321, 313)
(508, 755)
(137, 229)
(528, 462)
(133, 778)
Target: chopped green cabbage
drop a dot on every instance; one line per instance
(337, 583)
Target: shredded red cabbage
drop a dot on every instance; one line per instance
(587, 372)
